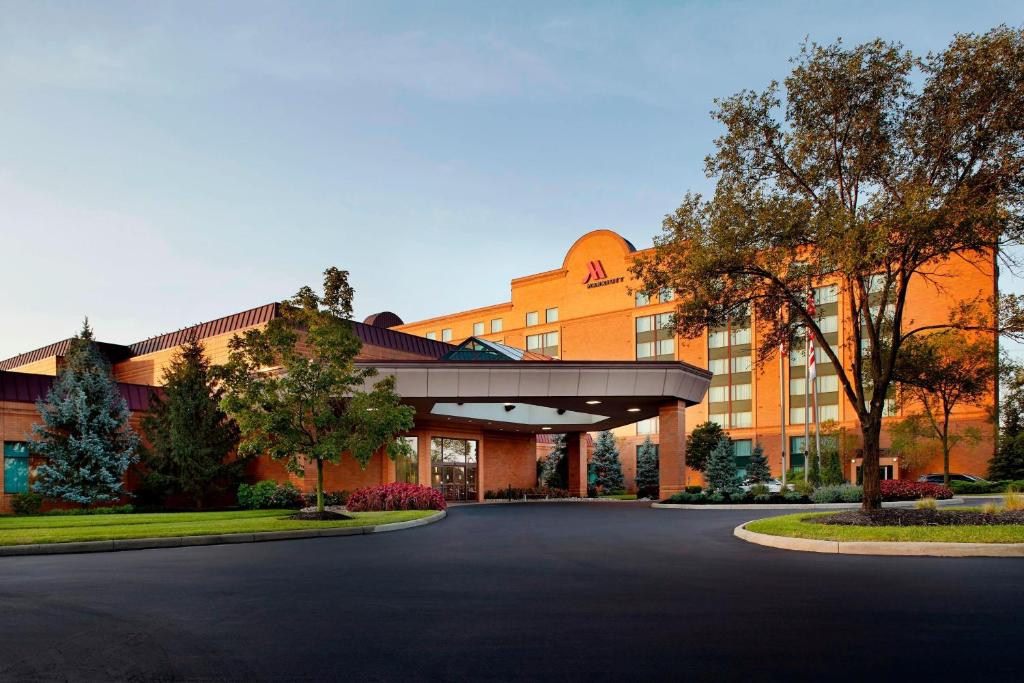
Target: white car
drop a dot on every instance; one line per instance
(774, 485)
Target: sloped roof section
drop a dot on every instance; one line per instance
(476, 348)
(23, 387)
(229, 323)
(113, 352)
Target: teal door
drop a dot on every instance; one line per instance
(15, 467)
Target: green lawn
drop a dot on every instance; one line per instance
(621, 496)
(791, 525)
(60, 529)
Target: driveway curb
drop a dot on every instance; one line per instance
(796, 506)
(209, 539)
(893, 548)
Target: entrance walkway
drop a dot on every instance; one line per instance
(500, 592)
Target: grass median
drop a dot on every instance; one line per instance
(795, 526)
(69, 528)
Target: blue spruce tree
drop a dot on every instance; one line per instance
(647, 470)
(758, 470)
(607, 468)
(720, 472)
(85, 438)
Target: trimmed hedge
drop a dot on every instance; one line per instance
(985, 486)
(514, 493)
(395, 496)
(269, 494)
(902, 489)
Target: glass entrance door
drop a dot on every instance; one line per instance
(453, 465)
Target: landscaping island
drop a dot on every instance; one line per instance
(76, 528)
(898, 525)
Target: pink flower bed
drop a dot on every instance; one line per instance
(396, 496)
(902, 489)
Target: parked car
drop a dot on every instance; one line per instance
(938, 478)
(774, 485)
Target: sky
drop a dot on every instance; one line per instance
(166, 163)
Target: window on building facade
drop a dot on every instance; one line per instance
(646, 427)
(741, 392)
(826, 413)
(478, 329)
(740, 335)
(551, 315)
(431, 335)
(742, 419)
(15, 467)
(496, 325)
(826, 295)
(719, 366)
(718, 394)
(642, 299)
(407, 464)
(797, 452)
(741, 451)
(655, 340)
(532, 318)
(666, 295)
(446, 334)
(546, 343)
(717, 339)
(741, 364)
(830, 323)
(721, 419)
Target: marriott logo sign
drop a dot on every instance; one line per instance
(597, 277)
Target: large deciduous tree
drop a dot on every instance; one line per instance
(297, 394)
(868, 170)
(191, 438)
(85, 437)
(700, 442)
(937, 372)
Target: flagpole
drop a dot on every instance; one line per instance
(782, 414)
(817, 423)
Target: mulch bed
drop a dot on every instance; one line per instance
(914, 517)
(325, 516)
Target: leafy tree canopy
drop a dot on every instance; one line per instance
(700, 442)
(297, 394)
(865, 169)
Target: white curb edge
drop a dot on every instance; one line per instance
(892, 548)
(211, 539)
(796, 506)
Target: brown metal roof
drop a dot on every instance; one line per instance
(383, 319)
(400, 341)
(113, 352)
(23, 387)
(229, 323)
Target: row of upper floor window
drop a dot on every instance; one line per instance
(798, 415)
(498, 324)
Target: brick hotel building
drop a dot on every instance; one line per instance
(574, 351)
(586, 309)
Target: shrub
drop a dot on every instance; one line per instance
(717, 497)
(687, 497)
(926, 504)
(842, 493)
(990, 508)
(764, 498)
(106, 510)
(1014, 500)
(395, 496)
(758, 490)
(27, 503)
(514, 493)
(902, 489)
(269, 494)
(804, 488)
(794, 497)
(694, 489)
(961, 487)
(330, 498)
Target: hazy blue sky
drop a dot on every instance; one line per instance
(167, 163)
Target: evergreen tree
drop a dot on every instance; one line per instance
(758, 470)
(832, 473)
(191, 438)
(720, 474)
(701, 441)
(555, 468)
(814, 468)
(85, 438)
(647, 473)
(607, 468)
(1008, 463)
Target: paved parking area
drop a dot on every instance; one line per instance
(511, 592)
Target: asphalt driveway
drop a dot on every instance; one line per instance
(511, 592)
